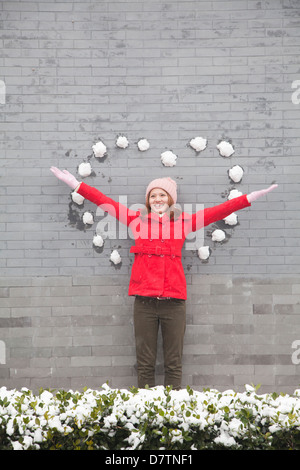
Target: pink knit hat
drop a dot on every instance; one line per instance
(169, 185)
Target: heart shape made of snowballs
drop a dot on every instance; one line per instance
(168, 159)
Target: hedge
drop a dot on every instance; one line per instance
(148, 419)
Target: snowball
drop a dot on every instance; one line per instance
(143, 145)
(168, 158)
(198, 143)
(115, 257)
(77, 198)
(122, 142)
(88, 218)
(231, 219)
(98, 240)
(236, 173)
(85, 169)
(99, 149)
(234, 193)
(203, 252)
(225, 148)
(218, 235)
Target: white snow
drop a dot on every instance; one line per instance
(88, 218)
(99, 149)
(98, 240)
(115, 257)
(225, 148)
(77, 198)
(225, 439)
(218, 235)
(231, 219)
(168, 158)
(203, 252)
(122, 142)
(234, 193)
(85, 169)
(214, 412)
(198, 143)
(143, 145)
(249, 388)
(236, 173)
(46, 397)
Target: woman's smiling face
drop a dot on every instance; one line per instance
(158, 200)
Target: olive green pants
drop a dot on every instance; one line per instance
(170, 315)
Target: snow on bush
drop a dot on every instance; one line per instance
(225, 149)
(143, 145)
(157, 418)
(99, 149)
(168, 158)
(84, 169)
(198, 143)
(122, 142)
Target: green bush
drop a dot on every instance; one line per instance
(148, 419)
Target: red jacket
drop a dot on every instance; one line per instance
(157, 270)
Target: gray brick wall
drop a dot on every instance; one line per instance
(74, 72)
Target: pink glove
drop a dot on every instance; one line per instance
(256, 194)
(65, 176)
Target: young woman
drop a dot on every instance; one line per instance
(157, 278)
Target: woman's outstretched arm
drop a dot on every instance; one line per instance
(213, 214)
(257, 194)
(120, 211)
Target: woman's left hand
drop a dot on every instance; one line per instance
(65, 176)
(257, 194)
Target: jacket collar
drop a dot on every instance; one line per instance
(153, 216)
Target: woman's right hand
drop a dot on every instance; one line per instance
(65, 176)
